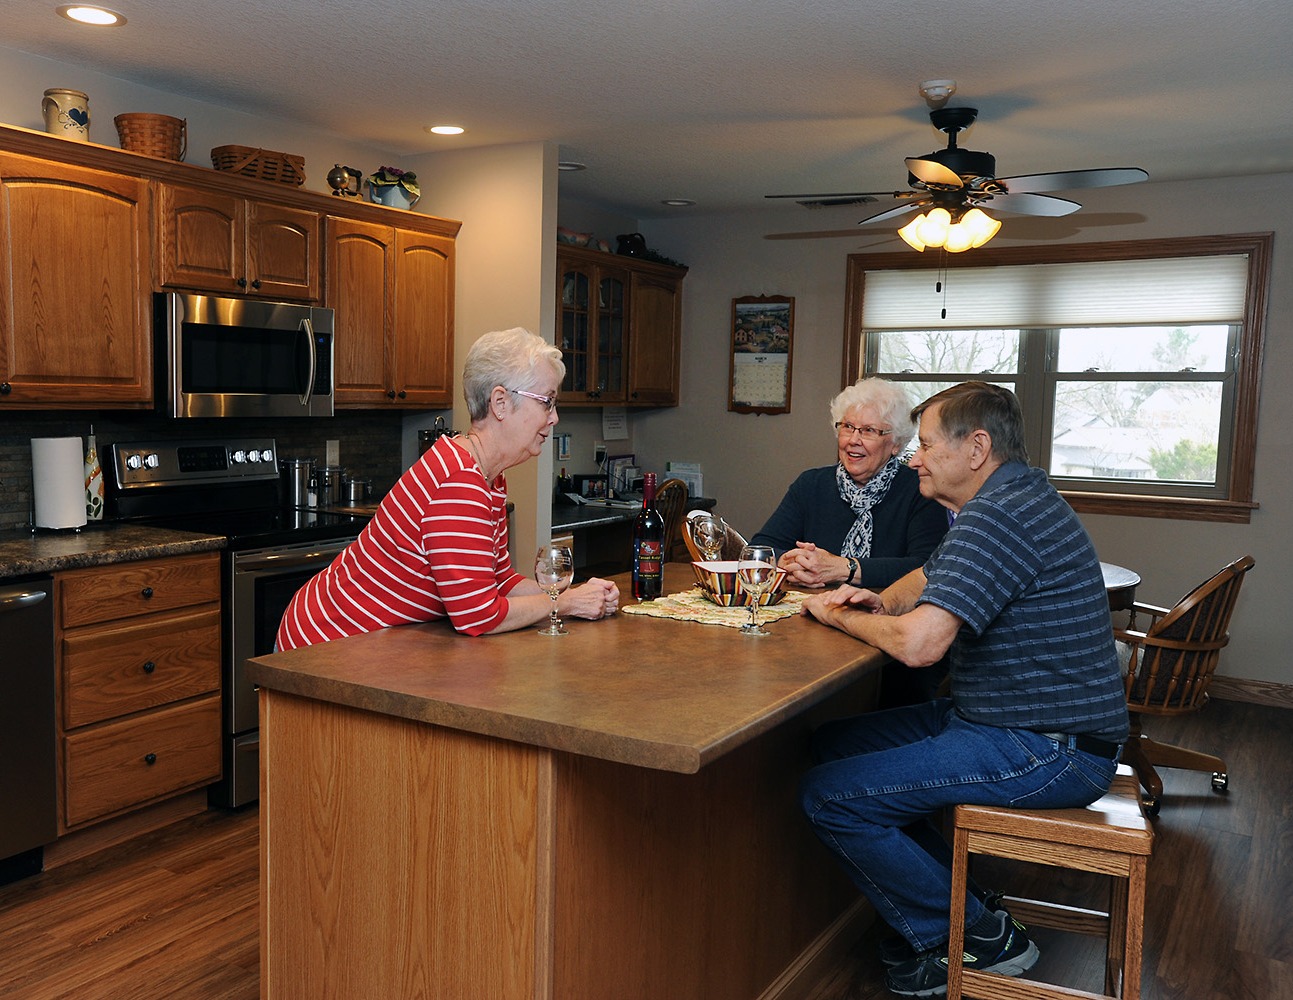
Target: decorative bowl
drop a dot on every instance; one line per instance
(718, 582)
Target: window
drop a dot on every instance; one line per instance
(1136, 364)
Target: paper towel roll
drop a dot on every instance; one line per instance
(58, 481)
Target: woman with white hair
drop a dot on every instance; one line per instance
(437, 546)
(861, 521)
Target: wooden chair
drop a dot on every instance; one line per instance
(1112, 836)
(733, 540)
(1169, 668)
(671, 502)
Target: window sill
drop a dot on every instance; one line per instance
(1175, 508)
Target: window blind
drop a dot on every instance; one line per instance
(1182, 290)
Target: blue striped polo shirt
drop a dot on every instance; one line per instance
(1035, 649)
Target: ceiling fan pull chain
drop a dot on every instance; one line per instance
(941, 285)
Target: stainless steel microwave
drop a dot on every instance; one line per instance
(222, 357)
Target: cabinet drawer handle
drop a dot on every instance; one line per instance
(255, 283)
(146, 593)
(5, 388)
(402, 394)
(150, 759)
(149, 667)
(390, 393)
(242, 282)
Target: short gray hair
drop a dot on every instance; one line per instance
(888, 397)
(512, 358)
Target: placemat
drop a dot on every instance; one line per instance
(693, 606)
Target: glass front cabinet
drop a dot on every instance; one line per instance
(600, 331)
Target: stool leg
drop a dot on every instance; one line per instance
(956, 913)
(1116, 944)
(1134, 940)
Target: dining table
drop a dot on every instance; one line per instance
(612, 812)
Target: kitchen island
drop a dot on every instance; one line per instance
(607, 814)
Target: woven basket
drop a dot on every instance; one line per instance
(263, 164)
(153, 135)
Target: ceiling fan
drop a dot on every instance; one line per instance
(954, 184)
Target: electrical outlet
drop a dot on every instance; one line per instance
(599, 453)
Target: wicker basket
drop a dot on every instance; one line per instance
(153, 135)
(263, 164)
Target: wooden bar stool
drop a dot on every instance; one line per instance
(1111, 836)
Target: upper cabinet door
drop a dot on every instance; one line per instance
(361, 284)
(74, 262)
(423, 327)
(655, 302)
(221, 242)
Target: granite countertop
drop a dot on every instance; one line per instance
(648, 692)
(570, 518)
(23, 552)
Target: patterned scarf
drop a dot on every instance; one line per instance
(862, 498)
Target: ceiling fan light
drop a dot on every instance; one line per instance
(959, 238)
(982, 226)
(908, 233)
(933, 230)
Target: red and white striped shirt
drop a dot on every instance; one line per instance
(436, 547)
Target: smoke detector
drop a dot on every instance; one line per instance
(937, 92)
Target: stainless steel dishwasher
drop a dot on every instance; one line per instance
(28, 810)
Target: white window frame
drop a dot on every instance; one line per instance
(1232, 499)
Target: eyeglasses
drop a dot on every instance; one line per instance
(549, 402)
(847, 429)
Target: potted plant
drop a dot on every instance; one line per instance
(395, 187)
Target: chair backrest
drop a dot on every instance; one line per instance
(733, 541)
(671, 502)
(1172, 665)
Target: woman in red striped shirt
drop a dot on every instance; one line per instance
(437, 546)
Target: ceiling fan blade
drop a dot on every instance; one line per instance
(1032, 204)
(932, 172)
(1072, 180)
(893, 213)
(819, 196)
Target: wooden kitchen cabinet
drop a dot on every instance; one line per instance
(392, 287)
(619, 327)
(220, 241)
(75, 316)
(139, 684)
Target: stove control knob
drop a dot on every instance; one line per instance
(267, 456)
(134, 461)
(253, 456)
(239, 457)
(151, 461)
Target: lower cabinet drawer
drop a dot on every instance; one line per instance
(127, 763)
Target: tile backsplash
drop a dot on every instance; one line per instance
(369, 444)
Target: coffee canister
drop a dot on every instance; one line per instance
(67, 113)
(295, 474)
(330, 477)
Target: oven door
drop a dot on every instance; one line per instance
(261, 585)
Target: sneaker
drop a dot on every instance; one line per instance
(894, 949)
(1008, 952)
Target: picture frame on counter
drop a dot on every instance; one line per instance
(591, 487)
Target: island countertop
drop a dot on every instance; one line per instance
(23, 552)
(649, 692)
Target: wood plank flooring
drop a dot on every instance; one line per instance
(174, 914)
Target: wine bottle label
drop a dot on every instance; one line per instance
(649, 552)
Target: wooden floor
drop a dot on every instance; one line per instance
(174, 915)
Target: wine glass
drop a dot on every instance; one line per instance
(709, 533)
(755, 572)
(554, 568)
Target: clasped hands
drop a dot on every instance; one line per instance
(809, 566)
(594, 598)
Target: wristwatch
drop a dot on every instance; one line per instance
(854, 569)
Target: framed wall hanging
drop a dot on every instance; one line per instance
(762, 342)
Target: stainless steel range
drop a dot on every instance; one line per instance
(231, 487)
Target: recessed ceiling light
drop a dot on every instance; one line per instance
(571, 165)
(677, 202)
(85, 14)
(445, 129)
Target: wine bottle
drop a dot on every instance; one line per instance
(648, 545)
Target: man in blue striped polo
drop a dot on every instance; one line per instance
(1036, 714)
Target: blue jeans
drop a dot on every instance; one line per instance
(882, 779)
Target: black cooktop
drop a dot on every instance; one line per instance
(257, 528)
